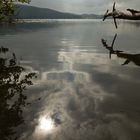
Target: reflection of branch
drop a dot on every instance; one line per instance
(133, 15)
(135, 58)
(110, 48)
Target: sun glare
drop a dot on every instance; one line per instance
(46, 124)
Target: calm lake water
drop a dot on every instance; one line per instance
(80, 93)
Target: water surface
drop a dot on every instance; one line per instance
(80, 93)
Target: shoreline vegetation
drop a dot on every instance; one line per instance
(8, 9)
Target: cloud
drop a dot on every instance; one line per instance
(85, 6)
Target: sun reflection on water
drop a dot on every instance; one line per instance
(46, 124)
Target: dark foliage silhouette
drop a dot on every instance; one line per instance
(13, 82)
(8, 8)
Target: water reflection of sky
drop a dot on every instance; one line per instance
(84, 95)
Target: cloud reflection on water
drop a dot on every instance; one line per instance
(91, 103)
(87, 95)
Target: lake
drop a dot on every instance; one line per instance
(84, 90)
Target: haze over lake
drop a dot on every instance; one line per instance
(80, 93)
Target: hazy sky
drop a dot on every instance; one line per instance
(85, 6)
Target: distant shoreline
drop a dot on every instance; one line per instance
(31, 12)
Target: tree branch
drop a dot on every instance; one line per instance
(116, 14)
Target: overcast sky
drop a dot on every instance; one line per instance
(85, 6)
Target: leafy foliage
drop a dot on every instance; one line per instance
(7, 8)
(13, 81)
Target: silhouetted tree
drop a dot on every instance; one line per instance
(7, 9)
(13, 81)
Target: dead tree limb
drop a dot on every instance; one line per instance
(116, 14)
